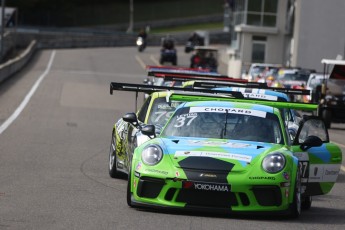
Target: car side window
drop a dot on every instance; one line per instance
(313, 127)
(143, 111)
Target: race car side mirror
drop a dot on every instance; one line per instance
(311, 141)
(149, 130)
(131, 118)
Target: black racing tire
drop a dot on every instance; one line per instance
(327, 116)
(141, 48)
(306, 202)
(296, 206)
(129, 194)
(174, 61)
(112, 166)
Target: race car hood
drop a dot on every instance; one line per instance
(214, 154)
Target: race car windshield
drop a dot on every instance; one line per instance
(237, 124)
(161, 111)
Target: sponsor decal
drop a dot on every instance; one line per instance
(211, 187)
(302, 156)
(323, 172)
(331, 172)
(262, 178)
(177, 174)
(134, 183)
(231, 156)
(260, 96)
(252, 112)
(216, 143)
(138, 166)
(206, 186)
(166, 106)
(286, 176)
(188, 115)
(157, 171)
(208, 175)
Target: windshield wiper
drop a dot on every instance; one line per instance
(223, 133)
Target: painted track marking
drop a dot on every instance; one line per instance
(28, 96)
(154, 60)
(142, 64)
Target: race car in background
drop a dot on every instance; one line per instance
(232, 156)
(156, 110)
(176, 76)
(332, 91)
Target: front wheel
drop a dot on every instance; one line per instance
(296, 206)
(113, 172)
(129, 194)
(306, 202)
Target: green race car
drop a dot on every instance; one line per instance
(232, 156)
(156, 110)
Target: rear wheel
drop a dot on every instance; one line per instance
(326, 116)
(296, 206)
(113, 172)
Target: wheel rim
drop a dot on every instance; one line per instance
(112, 153)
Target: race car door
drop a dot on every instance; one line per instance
(319, 165)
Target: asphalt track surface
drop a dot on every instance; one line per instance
(56, 118)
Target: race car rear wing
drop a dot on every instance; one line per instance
(279, 105)
(253, 85)
(175, 68)
(177, 77)
(154, 88)
(185, 74)
(188, 94)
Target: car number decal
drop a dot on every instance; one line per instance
(303, 165)
(185, 119)
(160, 115)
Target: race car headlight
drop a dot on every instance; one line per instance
(273, 163)
(152, 154)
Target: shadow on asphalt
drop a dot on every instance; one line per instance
(315, 215)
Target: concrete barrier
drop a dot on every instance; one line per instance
(14, 65)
